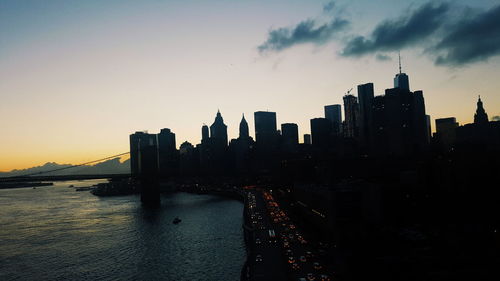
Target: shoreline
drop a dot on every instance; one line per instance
(24, 184)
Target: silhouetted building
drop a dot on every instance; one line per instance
(290, 134)
(144, 166)
(399, 123)
(205, 135)
(241, 149)
(365, 97)
(480, 117)
(167, 153)
(429, 127)
(351, 111)
(218, 130)
(334, 114)
(307, 139)
(188, 165)
(213, 151)
(482, 134)
(321, 131)
(401, 79)
(244, 128)
(446, 132)
(143, 154)
(266, 134)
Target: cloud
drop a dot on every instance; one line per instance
(328, 7)
(382, 57)
(396, 34)
(495, 118)
(306, 31)
(470, 40)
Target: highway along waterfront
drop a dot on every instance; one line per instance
(277, 248)
(58, 233)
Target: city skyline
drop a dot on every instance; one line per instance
(80, 93)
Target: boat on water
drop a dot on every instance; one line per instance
(176, 220)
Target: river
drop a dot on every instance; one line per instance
(57, 233)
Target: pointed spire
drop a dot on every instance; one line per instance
(399, 56)
(480, 117)
(243, 127)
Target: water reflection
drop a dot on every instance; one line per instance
(55, 232)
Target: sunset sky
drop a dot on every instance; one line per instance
(77, 77)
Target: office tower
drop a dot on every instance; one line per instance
(307, 139)
(218, 130)
(167, 153)
(351, 111)
(290, 133)
(419, 121)
(188, 160)
(482, 133)
(143, 154)
(399, 122)
(446, 132)
(266, 134)
(365, 97)
(480, 117)
(428, 128)
(204, 133)
(321, 131)
(334, 114)
(401, 79)
(244, 128)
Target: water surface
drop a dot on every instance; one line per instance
(57, 233)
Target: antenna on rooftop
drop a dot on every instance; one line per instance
(399, 56)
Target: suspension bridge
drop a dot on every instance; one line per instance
(42, 175)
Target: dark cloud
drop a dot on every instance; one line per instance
(391, 35)
(305, 32)
(328, 7)
(382, 57)
(470, 40)
(495, 118)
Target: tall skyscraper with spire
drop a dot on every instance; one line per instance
(480, 117)
(218, 130)
(243, 128)
(401, 79)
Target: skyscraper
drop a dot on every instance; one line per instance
(244, 128)
(218, 130)
(205, 135)
(480, 117)
(167, 153)
(307, 139)
(446, 132)
(290, 134)
(266, 134)
(321, 131)
(143, 154)
(334, 114)
(399, 122)
(351, 111)
(365, 97)
(401, 79)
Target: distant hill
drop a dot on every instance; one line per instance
(112, 166)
